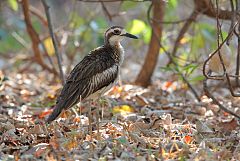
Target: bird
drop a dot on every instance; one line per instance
(95, 74)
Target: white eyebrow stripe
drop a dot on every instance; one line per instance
(112, 30)
(109, 31)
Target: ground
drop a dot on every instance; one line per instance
(160, 122)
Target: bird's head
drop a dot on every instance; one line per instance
(115, 34)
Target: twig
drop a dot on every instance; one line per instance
(219, 31)
(46, 7)
(216, 51)
(170, 22)
(184, 29)
(20, 39)
(114, 0)
(171, 59)
(150, 62)
(238, 58)
(38, 14)
(205, 87)
(238, 49)
(230, 87)
(206, 7)
(107, 13)
(215, 101)
(34, 38)
(203, 7)
(232, 20)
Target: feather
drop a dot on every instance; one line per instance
(95, 73)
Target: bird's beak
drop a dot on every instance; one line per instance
(130, 36)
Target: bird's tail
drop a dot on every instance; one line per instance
(56, 112)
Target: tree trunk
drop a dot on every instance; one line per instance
(144, 76)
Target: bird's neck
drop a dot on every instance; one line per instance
(117, 52)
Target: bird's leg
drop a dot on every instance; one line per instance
(104, 102)
(97, 117)
(90, 121)
(75, 112)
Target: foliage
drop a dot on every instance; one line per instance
(140, 28)
(13, 4)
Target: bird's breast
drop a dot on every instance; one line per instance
(121, 54)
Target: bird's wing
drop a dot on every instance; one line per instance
(94, 72)
(90, 75)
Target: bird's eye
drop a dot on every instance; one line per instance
(116, 32)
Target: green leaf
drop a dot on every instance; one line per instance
(189, 69)
(167, 69)
(196, 78)
(224, 34)
(147, 35)
(13, 4)
(182, 59)
(173, 3)
(138, 27)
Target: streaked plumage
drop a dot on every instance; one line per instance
(95, 74)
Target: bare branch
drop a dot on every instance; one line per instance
(34, 38)
(206, 7)
(205, 73)
(233, 18)
(106, 11)
(184, 29)
(46, 7)
(171, 58)
(114, 0)
(215, 101)
(171, 22)
(206, 88)
(238, 49)
(144, 76)
(39, 15)
(230, 86)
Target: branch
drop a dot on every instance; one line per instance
(184, 29)
(206, 7)
(215, 101)
(170, 57)
(205, 73)
(34, 38)
(46, 7)
(180, 73)
(230, 86)
(238, 49)
(233, 18)
(171, 22)
(107, 13)
(114, 0)
(38, 14)
(205, 87)
(150, 62)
